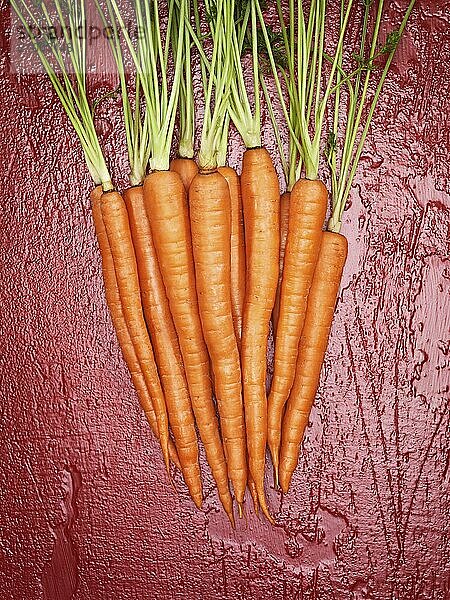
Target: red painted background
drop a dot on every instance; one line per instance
(86, 510)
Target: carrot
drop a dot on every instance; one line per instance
(117, 227)
(186, 168)
(166, 204)
(250, 482)
(261, 202)
(308, 205)
(165, 342)
(261, 206)
(313, 344)
(284, 221)
(237, 263)
(237, 249)
(118, 320)
(209, 204)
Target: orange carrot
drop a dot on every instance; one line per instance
(166, 205)
(237, 249)
(261, 202)
(119, 323)
(210, 213)
(115, 219)
(284, 222)
(165, 342)
(308, 205)
(313, 344)
(186, 168)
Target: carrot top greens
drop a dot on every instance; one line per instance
(234, 25)
(320, 86)
(151, 57)
(186, 96)
(136, 119)
(246, 120)
(68, 78)
(312, 76)
(216, 81)
(343, 169)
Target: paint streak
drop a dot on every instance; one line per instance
(60, 575)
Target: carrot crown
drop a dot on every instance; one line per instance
(71, 89)
(218, 149)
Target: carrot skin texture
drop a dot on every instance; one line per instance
(165, 342)
(238, 268)
(166, 206)
(308, 206)
(284, 224)
(119, 323)
(238, 274)
(186, 168)
(115, 219)
(210, 215)
(313, 344)
(261, 203)
(237, 249)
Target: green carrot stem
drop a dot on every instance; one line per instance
(72, 95)
(346, 182)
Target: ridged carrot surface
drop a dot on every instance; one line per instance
(210, 214)
(166, 206)
(284, 223)
(308, 205)
(119, 323)
(261, 203)
(117, 227)
(313, 344)
(165, 342)
(237, 249)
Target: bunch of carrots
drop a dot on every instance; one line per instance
(198, 260)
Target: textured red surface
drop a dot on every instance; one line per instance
(86, 509)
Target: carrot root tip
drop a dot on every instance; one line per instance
(285, 479)
(269, 517)
(275, 475)
(265, 510)
(198, 501)
(284, 484)
(241, 510)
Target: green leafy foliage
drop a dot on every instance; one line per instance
(63, 58)
(276, 43)
(331, 146)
